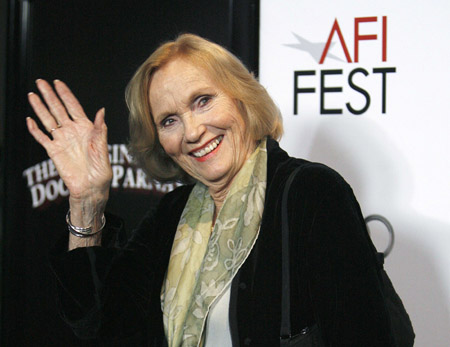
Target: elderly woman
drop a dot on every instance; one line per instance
(204, 268)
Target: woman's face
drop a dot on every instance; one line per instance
(199, 126)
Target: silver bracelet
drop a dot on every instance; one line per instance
(83, 232)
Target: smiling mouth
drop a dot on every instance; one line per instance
(209, 148)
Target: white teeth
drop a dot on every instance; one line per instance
(208, 149)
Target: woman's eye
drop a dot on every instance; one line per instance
(204, 100)
(167, 122)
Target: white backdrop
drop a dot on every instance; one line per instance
(397, 159)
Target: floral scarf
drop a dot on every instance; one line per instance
(203, 262)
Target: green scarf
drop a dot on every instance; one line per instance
(203, 262)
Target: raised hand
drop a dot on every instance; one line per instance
(77, 146)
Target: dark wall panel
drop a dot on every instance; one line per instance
(94, 46)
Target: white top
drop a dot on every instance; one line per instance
(218, 323)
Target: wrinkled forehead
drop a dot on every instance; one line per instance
(175, 82)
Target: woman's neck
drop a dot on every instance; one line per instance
(218, 197)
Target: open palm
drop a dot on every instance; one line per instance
(77, 146)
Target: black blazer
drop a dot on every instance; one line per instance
(111, 294)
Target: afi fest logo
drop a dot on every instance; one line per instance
(321, 52)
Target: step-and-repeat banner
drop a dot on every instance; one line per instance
(95, 49)
(364, 88)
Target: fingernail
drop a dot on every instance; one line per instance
(56, 81)
(30, 93)
(37, 80)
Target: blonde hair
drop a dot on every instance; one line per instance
(260, 114)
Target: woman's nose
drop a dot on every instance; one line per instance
(193, 128)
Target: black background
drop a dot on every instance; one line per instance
(95, 47)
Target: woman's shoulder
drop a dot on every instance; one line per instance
(317, 174)
(172, 203)
(169, 205)
(179, 195)
(311, 177)
(313, 174)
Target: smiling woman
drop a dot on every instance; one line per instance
(211, 67)
(210, 255)
(199, 126)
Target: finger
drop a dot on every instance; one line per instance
(38, 135)
(53, 102)
(70, 101)
(101, 128)
(100, 125)
(99, 121)
(42, 112)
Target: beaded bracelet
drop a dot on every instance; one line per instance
(83, 232)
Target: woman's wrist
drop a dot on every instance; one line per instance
(84, 231)
(77, 242)
(86, 215)
(88, 212)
